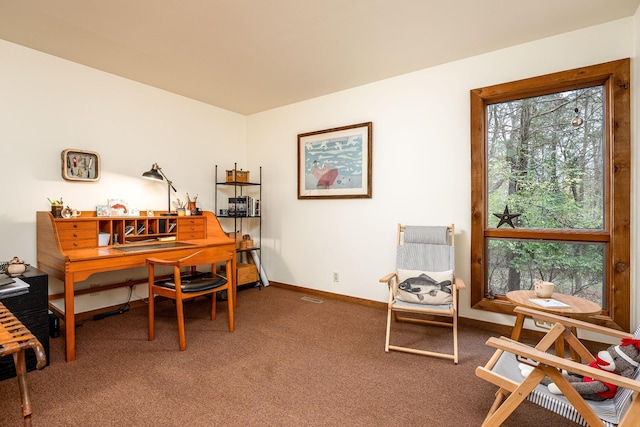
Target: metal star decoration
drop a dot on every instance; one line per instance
(506, 217)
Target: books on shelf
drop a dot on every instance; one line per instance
(238, 206)
(244, 206)
(254, 208)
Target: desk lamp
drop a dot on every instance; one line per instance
(157, 174)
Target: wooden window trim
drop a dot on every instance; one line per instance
(615, 76)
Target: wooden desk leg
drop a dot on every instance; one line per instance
(69, 318)
(517, 327)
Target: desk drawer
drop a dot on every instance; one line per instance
(77, 234)
(191, 228)
(80, 233)
(186, 222)
(69, 226)
(191, 234)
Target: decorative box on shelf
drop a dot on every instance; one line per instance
(246, 242)
(237, 175)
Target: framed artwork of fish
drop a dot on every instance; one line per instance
(335, 163)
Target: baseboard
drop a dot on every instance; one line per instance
(331, 295)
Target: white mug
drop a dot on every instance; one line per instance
(543, 289)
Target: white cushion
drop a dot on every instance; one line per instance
(425, 287)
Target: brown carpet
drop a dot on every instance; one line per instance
(290, 362)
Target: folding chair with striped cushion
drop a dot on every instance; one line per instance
(502, 370)
(424, 288)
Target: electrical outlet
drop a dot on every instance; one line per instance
(336, 276)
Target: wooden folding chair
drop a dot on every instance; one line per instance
(502, 370)
(424, 249)
(15, 338)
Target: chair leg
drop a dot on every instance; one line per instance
(455, 338)
(151, 314)
(387, 338)
(21, 371)
(214, 297)
(500, 396)
(181, 336)
(230, 309)
(514, 400)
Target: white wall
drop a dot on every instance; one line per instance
(48, 104)
(421, 163)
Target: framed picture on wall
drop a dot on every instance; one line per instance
(79, 165)
(335, 163)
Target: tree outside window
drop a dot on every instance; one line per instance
(550, 190)
(545, 163)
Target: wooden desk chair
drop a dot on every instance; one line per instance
(15, 338)
(503, 371)
(185, 286)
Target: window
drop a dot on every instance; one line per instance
(551, 188)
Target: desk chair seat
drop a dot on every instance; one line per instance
(195, 282)
(185, 285)
(15, 338)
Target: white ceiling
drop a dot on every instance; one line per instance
(253, 55)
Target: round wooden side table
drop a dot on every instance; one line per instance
(577, 308)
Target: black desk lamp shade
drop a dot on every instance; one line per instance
(156, 173)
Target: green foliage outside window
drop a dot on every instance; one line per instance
(545, 162)
(575, 268)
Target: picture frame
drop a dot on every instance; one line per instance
(80, 165)
(335, 163)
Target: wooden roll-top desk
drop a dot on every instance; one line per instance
(72, 249)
